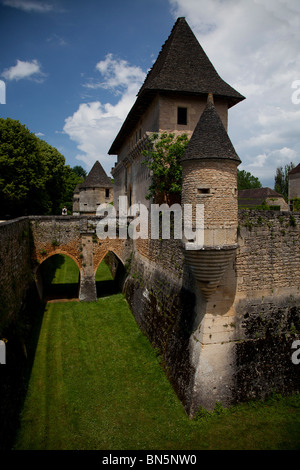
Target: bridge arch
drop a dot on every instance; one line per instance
(104, 255)
(75, 237)
(57, 252)
(117, 271)
(66, 285)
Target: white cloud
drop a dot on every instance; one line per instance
(94, 125)
(118, 73)
(29, 6)
(264, 164)
(254, 46)
(24, 69)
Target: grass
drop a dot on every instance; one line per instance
(97, 383)
(60, 276)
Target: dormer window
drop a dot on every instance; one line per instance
(182, 116)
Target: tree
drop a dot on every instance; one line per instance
(54, 182)
(247, 181)
(79, 171)
(162, 157)
(33, 176)
(281, 185)
(22, 171)
(71, 180)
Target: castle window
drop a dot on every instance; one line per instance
(182, 116)
(107, 193)
(203, 190)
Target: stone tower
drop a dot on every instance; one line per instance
(209, 178)
(96, 189)
(171, 99)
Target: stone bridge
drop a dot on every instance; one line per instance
(76, 237)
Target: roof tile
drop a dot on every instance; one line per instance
(97, 178)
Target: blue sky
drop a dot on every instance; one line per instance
(72, 69)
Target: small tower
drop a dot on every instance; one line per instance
(96, 189)
(209, 177)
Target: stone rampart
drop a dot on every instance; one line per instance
(232, 346)
(237, 345)
(267, 303)
(15, 267)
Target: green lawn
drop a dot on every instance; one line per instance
(97, 383)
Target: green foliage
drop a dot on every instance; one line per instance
(79, 171)
(71, 180)
(162, 157)
(292, 221)
(247, 181)
(282, 180)
(265, 207)
(296, 203)
(33, 176)
(23, 173)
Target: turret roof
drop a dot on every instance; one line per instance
(183, 66)
(97, 178)
(210, 139)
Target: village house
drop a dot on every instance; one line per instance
(255, 197)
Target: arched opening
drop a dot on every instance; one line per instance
(59, 277)
(129, 196)
(110, 275)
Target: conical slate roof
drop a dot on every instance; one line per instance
(210, 139)
(97, 178)
(181, 67)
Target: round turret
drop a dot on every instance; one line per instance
(209, 177)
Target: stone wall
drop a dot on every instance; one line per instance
(19, 312)
(294, 185)
(237, 345)
(267, 303)
(268, 260)
(91, 198)
(213, 184)
(15, 267)
(195, 107)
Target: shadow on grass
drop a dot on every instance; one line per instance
(106, 288)
(59, 283)
(62, 291)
